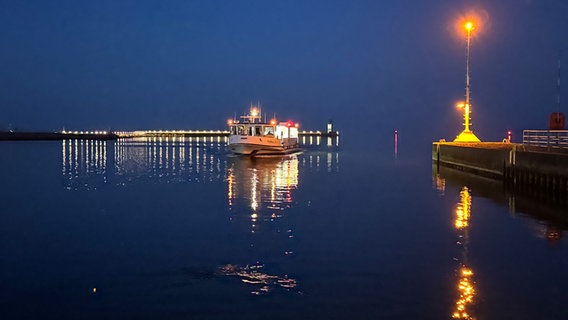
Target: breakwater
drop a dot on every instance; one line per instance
(27, 136)
(103, 135)
(532, 171)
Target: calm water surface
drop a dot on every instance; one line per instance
(181, 230)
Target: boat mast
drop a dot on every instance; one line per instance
(558, 84)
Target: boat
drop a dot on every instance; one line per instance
(253, 137)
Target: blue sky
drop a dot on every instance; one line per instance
(371, 66)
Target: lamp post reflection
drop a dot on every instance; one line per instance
(466, 289)
(544, 221)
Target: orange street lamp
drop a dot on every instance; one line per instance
(468, 27)
(467, 135)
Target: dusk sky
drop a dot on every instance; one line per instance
(370, 66)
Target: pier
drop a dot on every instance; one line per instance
(206, 133)
(63, 135)
(113, 135)
(532, 170)
(538, 167)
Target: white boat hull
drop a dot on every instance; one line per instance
(251, 145)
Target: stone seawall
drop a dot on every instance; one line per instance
(540, 173)
(485, 159)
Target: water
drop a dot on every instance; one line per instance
(181, 230)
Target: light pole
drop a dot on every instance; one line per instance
(467, 135)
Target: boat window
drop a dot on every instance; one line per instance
(250, 131)
(257, 131)
(268, 131)
(233, 130)
(241, 130)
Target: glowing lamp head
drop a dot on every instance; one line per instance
(469, 26)
(254, 112)
(289, 124)
(230, 121)
(297, 125)
(460, 105)
(272, 122)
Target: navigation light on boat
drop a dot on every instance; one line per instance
(254, 112)
(289, 124)
(297, 125)
(273, 121)
(230, 121)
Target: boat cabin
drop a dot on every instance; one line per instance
(283, 130)
(247, 129)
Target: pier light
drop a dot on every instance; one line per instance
(467, 135)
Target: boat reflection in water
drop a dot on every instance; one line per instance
(90, 164)
(262, 183)
(259, 190)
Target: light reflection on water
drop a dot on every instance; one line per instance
(88, 163)
(259, 190)
(183, 230)
(266, 183)
(466, 284)
(547, 221)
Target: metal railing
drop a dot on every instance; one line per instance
(557, 139)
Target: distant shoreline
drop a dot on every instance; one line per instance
(39, 136)
(28, 136)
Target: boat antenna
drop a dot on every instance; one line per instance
(558, 82)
